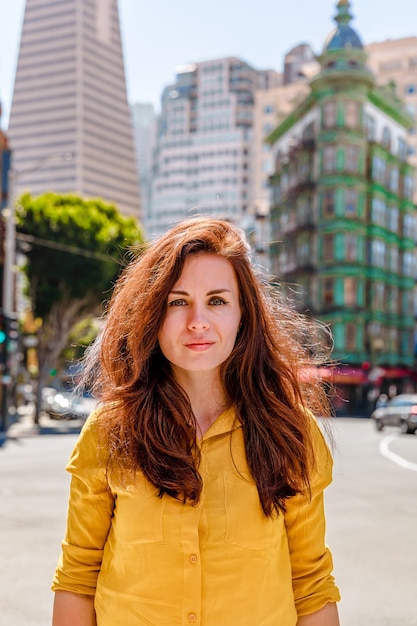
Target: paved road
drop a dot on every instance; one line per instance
(372, 524)
(371, 506)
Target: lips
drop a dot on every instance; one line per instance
(199, 346)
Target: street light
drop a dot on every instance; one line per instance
(10, 261)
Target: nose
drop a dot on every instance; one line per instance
(197, 319)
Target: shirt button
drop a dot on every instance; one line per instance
(192, 617)
(193, 558)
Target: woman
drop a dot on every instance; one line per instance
(197, 487)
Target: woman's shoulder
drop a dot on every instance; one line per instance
(321, 442)
(91, 445)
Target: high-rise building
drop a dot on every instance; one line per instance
(395, 61)
(70, 99)
(343, 221)
(205, 138)
(144, 126)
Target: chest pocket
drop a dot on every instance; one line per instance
(246, 524)
(138, 513)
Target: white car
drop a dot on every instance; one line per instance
(399, 411)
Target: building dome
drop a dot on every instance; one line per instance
(343, 37)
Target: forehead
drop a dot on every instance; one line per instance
(208, 268)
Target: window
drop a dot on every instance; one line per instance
(351, 158)
(370, 126)
(393, 258)
(267, 166)
(303, 249)
(393, 337)
(328, 203)
(411, 109)
(304, 168)
(330, 114)
(392, 300)
(393, 219)
(328, 247)
(351, 202)
(408, 303)
(350, 247)
(329, 159)
(275, 195)
(411, 89)
(352, 110)
(388, 66)
(409, 263)
(402, 149)
(408, 187)
(393, 178)
(386, 137)
(378, 250)
(350, 291)
(378, 211)
(268, 108)
(350, 336)
(409, 226)
(378, 168)
(303, 210)
(379, 296)
(328, 291)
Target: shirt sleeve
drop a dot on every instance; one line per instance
(90, 511)
(311, 559)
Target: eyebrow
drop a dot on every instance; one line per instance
(212, 292)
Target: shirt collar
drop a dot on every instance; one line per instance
(226, 422)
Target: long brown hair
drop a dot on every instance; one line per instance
(147, 416)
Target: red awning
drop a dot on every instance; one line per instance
(342, 374)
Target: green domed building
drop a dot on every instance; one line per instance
(343, 223)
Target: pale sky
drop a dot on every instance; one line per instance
(160, 35)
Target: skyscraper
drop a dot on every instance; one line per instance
(70, 98)
(144, 127)
(204, 143)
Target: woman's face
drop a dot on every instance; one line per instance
(203, 315)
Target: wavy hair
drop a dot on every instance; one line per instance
(147, 417)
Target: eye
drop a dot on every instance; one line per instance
(217, 301)
(178, 302)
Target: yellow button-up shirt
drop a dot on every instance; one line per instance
(156, 561)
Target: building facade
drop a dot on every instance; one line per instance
(395, 61)
(69, 109)
(144, 121)
(204, 145)
(343, 222)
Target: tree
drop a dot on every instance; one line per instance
(74, 251)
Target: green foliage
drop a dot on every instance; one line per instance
(80, 337)
(76, 247)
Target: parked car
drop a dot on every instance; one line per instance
(66, 405)
(399, 411)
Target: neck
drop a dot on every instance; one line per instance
(207, 397)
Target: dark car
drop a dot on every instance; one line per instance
(399, 411)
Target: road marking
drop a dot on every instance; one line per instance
(396, 458)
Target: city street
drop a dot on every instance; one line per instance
(371, 509)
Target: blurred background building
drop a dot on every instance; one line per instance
(343, 222)
(203, 155)
(70, 98)
(144, 128)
